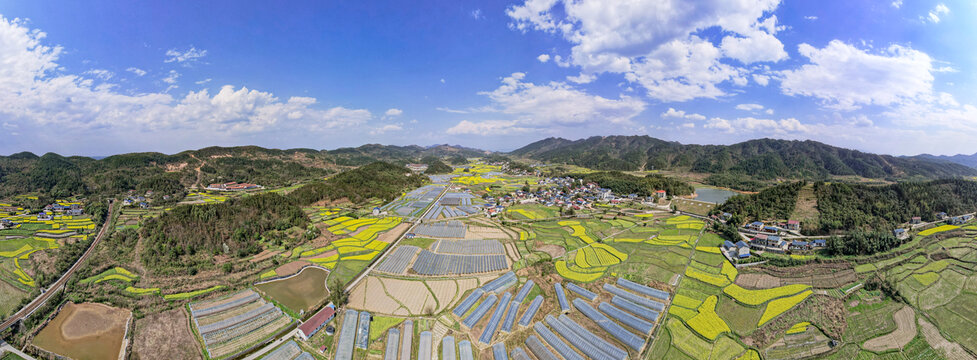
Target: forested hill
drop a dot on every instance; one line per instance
(369, 153)
(763, 159)
(377, 180)
(966, 160)
(191, 234)
(846, 207)
(59, 176)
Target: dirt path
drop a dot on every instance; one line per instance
(905, 331)
(200, 174)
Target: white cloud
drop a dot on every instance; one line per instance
(935, 111)
(187, 56)
(136, 71)
(789, 126)
(172, 77)
(204, 81)
(101, 74)
(559, 103)
(749, 107)
(653, 42)
(33, 93)
(681, 114)
(487, 128)
(442, 80)
(768, 111)
(476, 14)
(811, 18)
(757, 45)
(393, 112)
(582, 78)
(386, 128)
(543, 58)
(450, 110)
(938, 11)
(897, 4)
(541, 107)
(845, 77)
(763, 80)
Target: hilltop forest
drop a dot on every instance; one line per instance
(747, 166)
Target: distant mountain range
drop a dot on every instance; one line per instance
(966, 160)
(748, 165)
(762, 159)
(58, 175)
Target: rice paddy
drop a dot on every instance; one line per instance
(299, 293)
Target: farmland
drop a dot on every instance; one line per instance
(636, 281)
(233, 323)
(88, 331)
(301, 292)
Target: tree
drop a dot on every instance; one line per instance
(337, 293)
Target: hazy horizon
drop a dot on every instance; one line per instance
(100, 156)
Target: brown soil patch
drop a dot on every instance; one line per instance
(823, 275)
(175, 167)
(485, 232)
(511, 250)
(905, 331)
(220, 259)
(392, 235)
(555, 251)
(757, 281)
(806, 210)
(89, 319)
(164, 336)
(951, 350)
(85, 331)
(291, 268)
(265, 255)
(324, 255)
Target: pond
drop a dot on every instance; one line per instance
(299, 292)
(85, 331)
(713, 195)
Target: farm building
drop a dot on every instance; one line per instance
(742, 249)
(819, 243)
(316, 322)
(755, 226)
(232, 186)
(916, 220)
(959, 220)
(799, 245)
(660, 194)
(900, 233)
(793, 225)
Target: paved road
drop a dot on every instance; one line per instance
(40, 300)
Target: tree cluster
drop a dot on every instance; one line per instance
(621, 183)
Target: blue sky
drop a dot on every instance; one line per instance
(105, 77)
